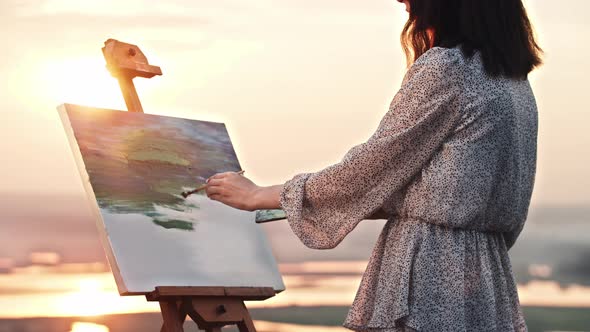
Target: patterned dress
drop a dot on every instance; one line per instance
(452, 163)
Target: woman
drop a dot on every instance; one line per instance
(451, 166)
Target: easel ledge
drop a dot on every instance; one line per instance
(245, 293)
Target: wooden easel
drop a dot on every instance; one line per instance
(210, 308)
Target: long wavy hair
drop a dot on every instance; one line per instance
(499, 29)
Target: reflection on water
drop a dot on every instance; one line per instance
(55, 292)
(88, 327)
(263, 326)
(91, 299)
(551, 294)
(43, 292)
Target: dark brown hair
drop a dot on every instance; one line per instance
(499, 29)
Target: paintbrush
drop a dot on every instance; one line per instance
(186, 194)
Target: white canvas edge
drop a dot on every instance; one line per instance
(95, 209)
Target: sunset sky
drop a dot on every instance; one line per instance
(297, 82)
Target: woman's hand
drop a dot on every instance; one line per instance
(232, 189)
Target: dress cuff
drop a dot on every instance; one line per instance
(292, 195)
(293, 202)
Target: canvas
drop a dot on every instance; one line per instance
(134, 167)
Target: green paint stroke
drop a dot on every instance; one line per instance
(175, 223)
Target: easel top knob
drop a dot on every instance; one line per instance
(127, 59)
(125, 62)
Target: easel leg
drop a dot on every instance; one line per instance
(210, 313)
(173, 322)
(246, 325)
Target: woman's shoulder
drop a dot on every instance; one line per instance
(440, 56)
(436, 66)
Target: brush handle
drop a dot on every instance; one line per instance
(194, 191)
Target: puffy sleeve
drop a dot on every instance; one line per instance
(323, 207)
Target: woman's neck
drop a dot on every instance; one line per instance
(431, 36)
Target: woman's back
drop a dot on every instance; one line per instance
(482, 176)
(453, 163)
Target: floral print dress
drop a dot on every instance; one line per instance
(452, 163)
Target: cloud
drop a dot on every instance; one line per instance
(6, 264)
(44, 258)
(246, 14)
(128, 8)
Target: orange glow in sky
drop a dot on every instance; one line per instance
(296, 82)
(317, 82)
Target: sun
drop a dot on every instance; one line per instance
(83, 81)
(96, 295)
(90, 286)
(91, 299)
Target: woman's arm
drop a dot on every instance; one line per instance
(240, 192)
(267, 197)
(324, 206)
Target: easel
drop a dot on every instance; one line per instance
(210, 308)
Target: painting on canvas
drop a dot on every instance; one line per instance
(134, 167)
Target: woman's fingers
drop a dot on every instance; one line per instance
(216, 197)
(213, 190)
(215, 182)
(232, 189)
(219, 176)
(215, 176)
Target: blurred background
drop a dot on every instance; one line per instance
(297, 83)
